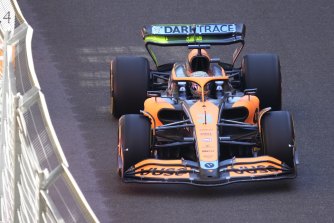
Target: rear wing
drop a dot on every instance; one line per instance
(165, 35)
(185, 34)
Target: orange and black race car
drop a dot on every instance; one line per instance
(197, 119)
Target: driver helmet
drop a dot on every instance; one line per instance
(195, 89)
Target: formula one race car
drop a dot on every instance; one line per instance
(196, 119)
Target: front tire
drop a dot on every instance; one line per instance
(278, 136)
(134, 141)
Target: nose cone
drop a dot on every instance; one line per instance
(209, 170)
(205, 118)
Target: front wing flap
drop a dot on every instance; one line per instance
(188, 172)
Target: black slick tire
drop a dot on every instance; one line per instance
(129, 83)
(134, 140)
(278, 136)
(263, 72)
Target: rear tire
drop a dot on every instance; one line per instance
(262, 71)
(278, 136)
(134, 140)
(129, 83)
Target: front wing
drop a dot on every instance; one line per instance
(188, 172)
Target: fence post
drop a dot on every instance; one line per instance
(14, 125)
(17, 154)
(8, 114)
(2, 134)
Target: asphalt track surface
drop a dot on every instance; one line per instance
(72, 45)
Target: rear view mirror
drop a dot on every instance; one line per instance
(152, 94)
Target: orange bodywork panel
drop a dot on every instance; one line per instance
(157, 162)
(205, 118)
(267, 163)
(251, 103)
(155, 166)
(154, 105)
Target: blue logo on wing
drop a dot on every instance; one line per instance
(209, 165)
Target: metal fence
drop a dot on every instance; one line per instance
(35, 183)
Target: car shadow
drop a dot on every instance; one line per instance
(185, 190)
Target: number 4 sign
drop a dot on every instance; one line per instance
(6, 17)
